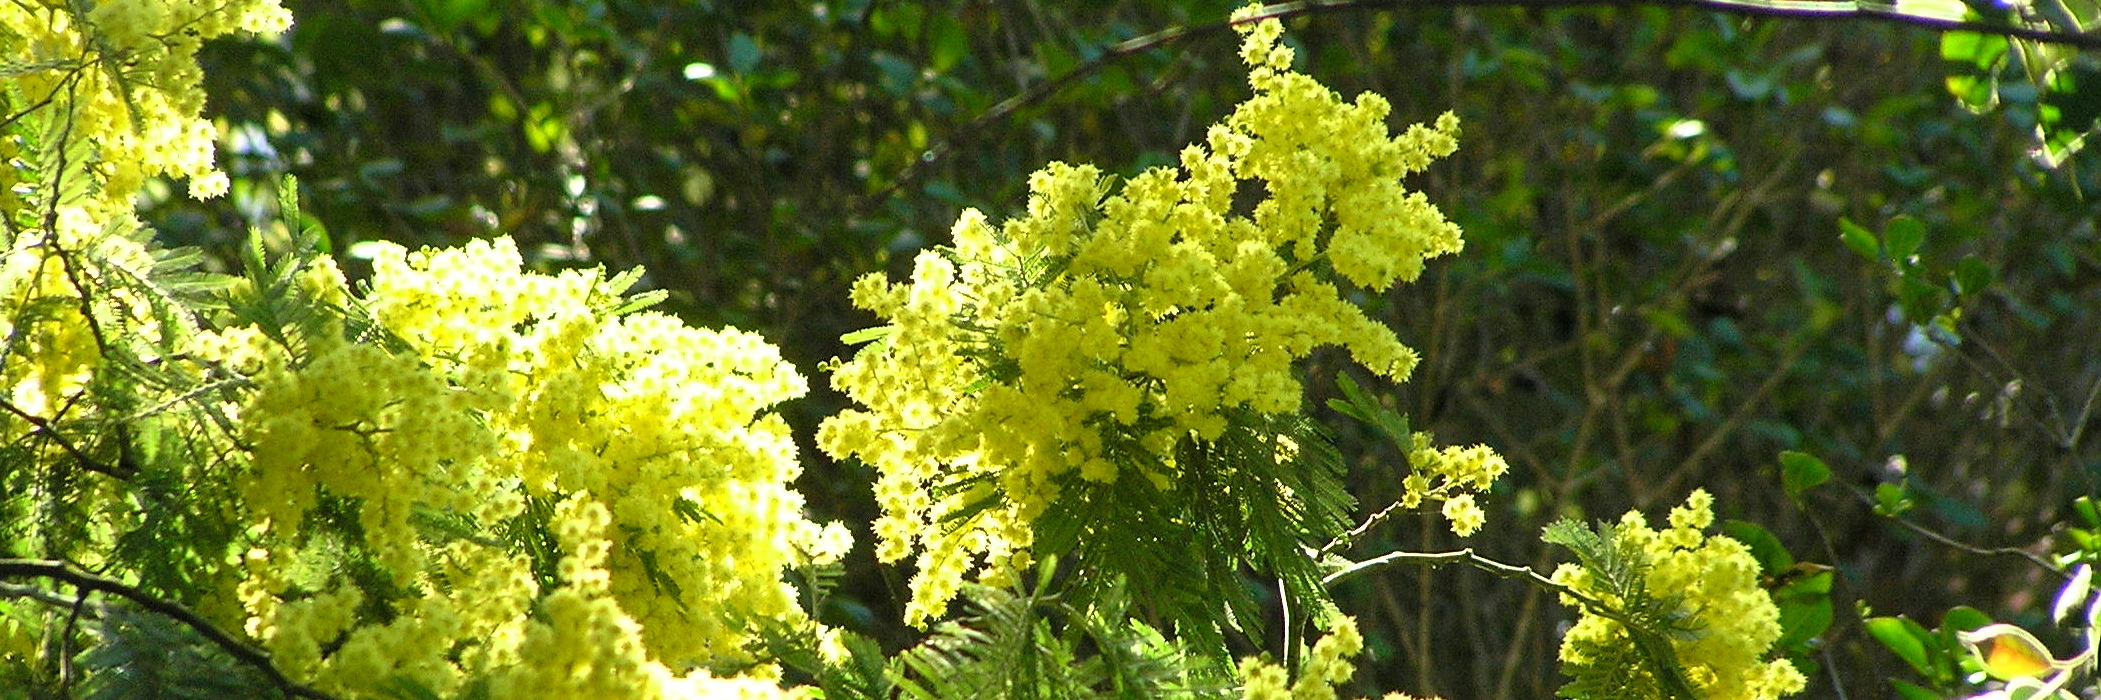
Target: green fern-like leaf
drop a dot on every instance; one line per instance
(1648, 666)
(1245, 502)
(148, 656)
(1026, 646)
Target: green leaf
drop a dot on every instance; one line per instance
(1919, 299)
(1773, 557)
(1805, 609)
(2071, 101)
(447, 15)
(255, 257)
(743, 53)
(1650, 623)
(1669, 322)
(1972, 275)
(1358, 400)
(639, 302)
(1972, 62)
(2084, 506)
(1963, 618)
(1891, 500)
(1903, 236)
(1361, 406)
(948, 42)
(307, 235)
(1910, 691)
(1013, 646)
(1801, 471)
(1861, 240)
(867, 334)
(1344, 408)
(1903, 637)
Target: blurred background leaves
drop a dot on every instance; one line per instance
(1695, 241)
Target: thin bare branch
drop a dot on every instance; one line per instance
(60, 571)
(1871, 10)
(45, 427)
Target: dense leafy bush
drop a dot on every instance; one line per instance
(308, 462)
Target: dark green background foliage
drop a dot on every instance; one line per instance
(1643, 307)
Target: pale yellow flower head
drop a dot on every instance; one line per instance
(1734, 622)
(1043, 352)
(646, 450)
(1327, 665)
(1451, 475)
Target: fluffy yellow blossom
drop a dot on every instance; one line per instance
(1046, 353)
(489, 399)
(1466, 517)
(125, 73)
(1733, 620)
(470, 470)
(98, 97)
(1447, 474)
(1326, 666)
(80, 310)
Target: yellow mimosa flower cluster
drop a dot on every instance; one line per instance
(468, 470)
(1735, 622)
(1326, 666)
(52, 348)
(100, 96)
(1092, 335)
(489, 397)
(124, 75)
(1451, 475)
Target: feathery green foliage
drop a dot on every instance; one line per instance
(1256, 499)
(145, 655)
(1648, 669)
(1036, 645)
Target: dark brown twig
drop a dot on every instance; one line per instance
(51, 431)
(87, 582)
(1872, 10)
(1953, 543)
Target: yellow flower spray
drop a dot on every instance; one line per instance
(1112, 334)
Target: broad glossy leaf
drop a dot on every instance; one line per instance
(1902, 637)
(1773, 557)
(1801, 471)
(2073, 594)
(1963, 618)
(1805, 609)
(2008, 652)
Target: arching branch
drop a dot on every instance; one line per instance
(1941, 15)
(60, 571)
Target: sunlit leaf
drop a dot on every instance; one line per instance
(1904, 637)
(2074, 593)
(2008, 652)
(1972, 63)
